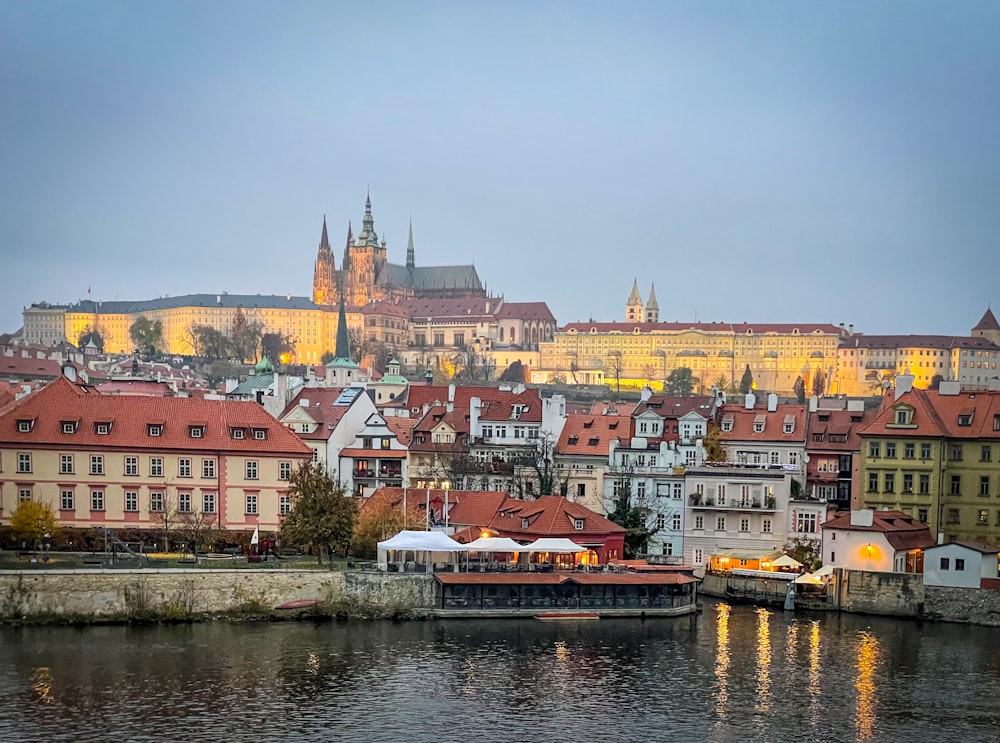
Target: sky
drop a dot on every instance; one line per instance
(757, 162)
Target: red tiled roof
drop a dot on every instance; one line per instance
(402, 427)
(774, 423)
(130, 415)
(675, 406)
(373, 453)
(135, 387)
(606, 408)
(591, 435)
(418, 395)
(35, 368)
(384, 308)
(902, 531)
(321, 409)
(503, 409)
(525, 311)
(550, 516)
(838, 422)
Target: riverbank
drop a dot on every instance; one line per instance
(103, 596)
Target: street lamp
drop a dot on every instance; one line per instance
(446, 485)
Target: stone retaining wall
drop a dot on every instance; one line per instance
(890, 594)
(971, 605)
(100, 594)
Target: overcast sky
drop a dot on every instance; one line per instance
(760, 162)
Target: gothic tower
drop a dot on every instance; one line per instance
(652, 308)
(324, 273)
(367, 259)
(633, 308)
(988, 327)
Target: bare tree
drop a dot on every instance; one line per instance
(613, 367)
(536, 473)
(199, 528)
(163, 513)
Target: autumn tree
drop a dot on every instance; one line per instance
(381, 518)
(208, 342)
(712, 442)
(277, 346)
(722, 382)
(146, 335)
(89, 334)
(746, 381)
(680, 381)
(800, 389)
(326, 358)
(819, 383)
(513, 373)
(33, 521)
(322, 512)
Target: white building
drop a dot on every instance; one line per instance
(960, 565)
(875, 541)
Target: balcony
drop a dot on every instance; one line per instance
(733, 504)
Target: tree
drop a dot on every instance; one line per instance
(219, 371)
(819, 383)
(89, 334)
(722, 382)
(199, 529)
(326, 358)
(380, 519)
(800, 389)
(278, 347)
(245, 336)
(208, 342)
(936, 381)
(165, 518)
(746, 381)
(649, 373)
(513, 373)
(680, 381)
(33, 521)
(146, 335)
(628, 513)
(613, 366)
(557, 378)
(879, 383)
(806, 551)
(538, 467)
(714, 451)
(322, 512)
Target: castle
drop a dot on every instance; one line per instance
(366, 276)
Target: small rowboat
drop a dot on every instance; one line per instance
(300, 604)
(558, 616)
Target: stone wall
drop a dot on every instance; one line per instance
(100, 594)
(971, 605)
(891, 594)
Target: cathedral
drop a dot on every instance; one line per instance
(366, 276)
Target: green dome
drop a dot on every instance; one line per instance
(264, 365)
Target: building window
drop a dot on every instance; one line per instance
(984, 484)
(675, 522)
(196, 432)
(208, 469)
(744, 524)
(890, 449)
(720, 523)
(902, 417)
(661, 521)
(386, 443)
(284, 505)
(66, 498)
(68, 427)
(236, 433)
(156, 466)
(806, 523)
(251, 504)
(959, 563)
(184, 467)
(439, 339)
(908, 451)
(251, 470)
(984, 518)
(953, 517)
(156, 502)
(925, 485)
(65, 464)
(925, 451)
(460, 339)
(154, 429)
(208, 502)
(890, 483)
(132, 466)
(260, 434)
(956, 485)
(97, 464)
(765, 526)
(945, 563)
(955, 453)
(922, 515)
(699, 557)
(640, 489)
(103, 429)
(872, 482)
(184, 502)
(96, 500)
(131, 501)
(874, 448)
(23, 494)
(284, 470)
(699, 522)
(678, 491)
(987, 454)
(315, 456)
(23, 462)
(24, 426)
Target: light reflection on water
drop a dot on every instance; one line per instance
(730, 674)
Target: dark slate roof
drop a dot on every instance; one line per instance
(431, 277)
(943, 342)
(279, 301)
(988, 322)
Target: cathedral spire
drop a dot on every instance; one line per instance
(342, 351)
(368, 236)
(410, 261)
(652, 307)
(633, 308)
(324, 241)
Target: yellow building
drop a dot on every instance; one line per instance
(635, 354)
(138, 462)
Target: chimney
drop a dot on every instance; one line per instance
(749, 401)
(475, 406)
(772, 402)
(813, 404)
(281, 387)
(862, 518)
(904, 384)
(850, 329)
(429, 377)
(69, 371)
(645, 394)
(451, 393)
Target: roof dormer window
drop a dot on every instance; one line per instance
(578, 524)
(524, 523)
(69, 426)
(965, 419)
(154, 429)
(25, 425)
(260, 434)
(102, 429)
(237, 433)
(196, 432)
(902, 416)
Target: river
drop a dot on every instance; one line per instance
(733, 673)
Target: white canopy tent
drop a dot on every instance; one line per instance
(435, 545)
(553, 544)
(495, 544)
(786, 562)
(809, 579)
(826, 570)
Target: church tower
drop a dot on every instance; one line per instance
(367, 259)
(988, 327)
(652, 308)
(324, 273)
(633, 308)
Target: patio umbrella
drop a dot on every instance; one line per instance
(786, 562)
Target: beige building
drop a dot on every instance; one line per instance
(122, 461)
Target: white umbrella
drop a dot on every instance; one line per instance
(786, 562)
(824, 571)
(808, 578)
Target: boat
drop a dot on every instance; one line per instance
(559, 616)
(299, 604)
